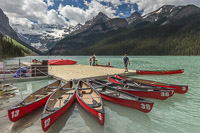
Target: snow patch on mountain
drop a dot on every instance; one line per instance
(43, 35)
(36, 45)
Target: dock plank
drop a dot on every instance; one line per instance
(79, 71)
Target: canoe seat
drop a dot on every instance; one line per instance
(116, 93)
(45, 93)
(67, 88)
(84, 88)
(52, 87)
(83, 93)
(68, 93)
(94, 104)
(51, 109)
(60, 97)
(131, 84)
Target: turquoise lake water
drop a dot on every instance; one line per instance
(178, 114)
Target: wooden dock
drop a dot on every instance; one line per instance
(68, 72)
(79, 71)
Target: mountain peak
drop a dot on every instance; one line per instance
(134, 16)
(185, 11)
(5, 26)
(167, 6)
(101, 16)
(101, 13)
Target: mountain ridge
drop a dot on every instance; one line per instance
(9, 37)
(161, 20)
(5, 26)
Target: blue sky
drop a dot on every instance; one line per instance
(124, 10)
(72, 12)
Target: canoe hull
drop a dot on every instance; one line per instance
(141, 106)
(99, 116)
(162, 72)
(105, 66)
(180, 89)
(15, 114)
(49, 120)
(61, 62)
(161, 95)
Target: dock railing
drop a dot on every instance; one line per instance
(23, 71)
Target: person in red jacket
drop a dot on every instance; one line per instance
(90, 61)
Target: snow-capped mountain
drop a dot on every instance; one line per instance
(171, 12)
(43, 36)
(134, 17)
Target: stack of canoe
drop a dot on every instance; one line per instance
(125, 91)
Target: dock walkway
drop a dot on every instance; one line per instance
(79, 71)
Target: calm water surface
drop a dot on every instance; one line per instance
(178, 114)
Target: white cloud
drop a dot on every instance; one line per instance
(50, 2)
(77, 15)
(151, 5)
(22, 21)
(52, 17)
(114, 2)
(23, 11)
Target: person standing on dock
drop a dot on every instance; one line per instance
(126, 62)
(90, 61)
(93, 59)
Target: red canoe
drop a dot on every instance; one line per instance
(90, 100)
(122, 98)
(160, 72)
(142, 91)
(57, 104)
(33, 101)
(181, 89)
(105, 66)
(61, 62)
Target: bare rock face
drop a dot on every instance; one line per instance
(134, 17)
(117, 23)
(171, 12)
(186, 11)
(5, 27)
(102, 23)
(100, 18)
(163, 11)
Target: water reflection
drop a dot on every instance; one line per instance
(90, 121)
(131, 120)
(29, 88)
(27, 121)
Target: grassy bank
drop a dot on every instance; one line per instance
(12, 48)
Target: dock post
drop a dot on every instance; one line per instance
(35, 71)
(19, 69)
(4, 69)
